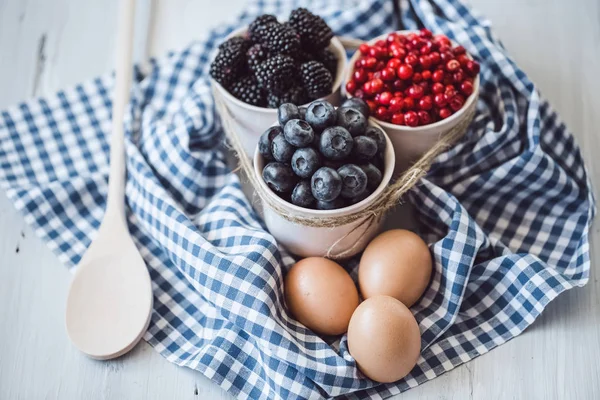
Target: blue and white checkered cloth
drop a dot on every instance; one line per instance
(506, 212)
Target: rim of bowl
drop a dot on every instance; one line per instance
(388, 125)
(386, 178)
(335, 45)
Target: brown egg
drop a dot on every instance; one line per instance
(384, 339)
(321, 295)
(396, 263)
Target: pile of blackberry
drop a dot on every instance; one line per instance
(322, 158)
(277, 63)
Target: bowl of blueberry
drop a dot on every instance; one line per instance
(322, 161)
(418, 86)
(269, 63)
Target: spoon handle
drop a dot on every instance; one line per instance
(115, 202)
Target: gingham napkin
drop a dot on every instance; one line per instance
(506, 212)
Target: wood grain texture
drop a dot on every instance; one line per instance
(46, 45)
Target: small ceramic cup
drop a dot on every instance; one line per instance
(251, 121)
(306, 241)
(411, 143)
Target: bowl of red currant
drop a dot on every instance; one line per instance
(419, 86)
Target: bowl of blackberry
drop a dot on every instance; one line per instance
(269, 63)
(322, 161)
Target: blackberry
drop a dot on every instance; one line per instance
(328, 59)
(317, 80)
(248, 91)
(279, 39)
(256, 54)
(237, 43)
(274, 73)
(228, 66)
(314, 32)
(295, 95)
(256, 27)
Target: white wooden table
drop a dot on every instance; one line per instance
(49, 44)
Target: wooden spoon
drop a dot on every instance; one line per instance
(110, 298)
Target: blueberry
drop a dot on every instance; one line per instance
(376, 134)
(286, 112)
(326, 184)
(280, 148)
(305, 162)
(336, 143)
(302, 113)
(354, 180)
(352, 120)
(331, 205)
(364, 148)
(320, 115)
(279, 177)
(374, 175)
(298, 133)
(264, 143)
(302, 195)
(359, 104)
(360, 197)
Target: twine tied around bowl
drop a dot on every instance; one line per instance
(389, 198)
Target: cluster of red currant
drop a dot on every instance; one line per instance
(413, 79)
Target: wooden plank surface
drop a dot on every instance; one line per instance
(48, 44)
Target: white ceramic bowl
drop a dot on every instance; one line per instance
(411, 143)
(306, 241)
(251, 121)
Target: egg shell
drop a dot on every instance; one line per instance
(396, 263)
(321, 295)
(384, 339)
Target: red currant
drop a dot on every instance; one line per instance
(359, 93)
(364, 49)
(456, 102)
(405, 71)
(458, 50)
(444, 113)
(370, 62)
(463, 59)
(411, 60)
(381, 113)
(440, 100)
(458, 76)
(452, 65)
(437, 88)
(360, 75)
(425, 33)
(466, 87)
(426, 75)
(415, 91)
(351, 87)
(417, 77)
(388, 74)
(425, 61)
(409, 103)
(398, 119)
(472, 67)
(411, 118)
(394, 63)
(426, 103)
(395, 104)
(376, 85)
(424, 117)
(446, 56)
(385, 98)
(438, 75)
(435, 58)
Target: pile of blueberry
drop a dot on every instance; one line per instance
(322, 158)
